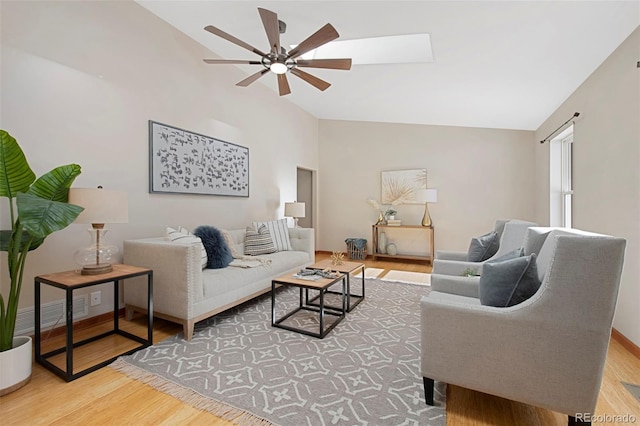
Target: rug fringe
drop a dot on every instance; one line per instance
(188, 396)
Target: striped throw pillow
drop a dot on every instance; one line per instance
(279, 232)
(258, 241)
(183, 236)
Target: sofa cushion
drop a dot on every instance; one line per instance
(218, 253)
(279, 233)
(182, 236)
(258, 241)
(509, 282)
(483, 247)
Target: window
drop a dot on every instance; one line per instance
(566, 172)
(560, 179)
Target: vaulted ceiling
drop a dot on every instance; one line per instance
(497, 64)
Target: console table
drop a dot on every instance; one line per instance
(376, 229)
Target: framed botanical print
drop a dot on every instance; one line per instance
(400, 186)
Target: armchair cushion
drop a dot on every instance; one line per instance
(483, 247)
(509, 282)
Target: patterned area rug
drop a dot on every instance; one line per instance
(366, 371)
(419, 278)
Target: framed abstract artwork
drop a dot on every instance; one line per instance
(400, 186)
(184, 162)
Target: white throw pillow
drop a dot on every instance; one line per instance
(279, 233)
(231, 244)
(183, 236)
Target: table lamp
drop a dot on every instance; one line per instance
(100, 206)
(426, 196)
(294, 210)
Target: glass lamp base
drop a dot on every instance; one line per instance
(101, 268)
(97, 258)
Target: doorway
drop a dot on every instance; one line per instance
(305, 195)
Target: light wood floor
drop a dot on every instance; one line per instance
(107, 397)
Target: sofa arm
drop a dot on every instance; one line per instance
(455, 267)
(177, 275)
(451, 255)
(462, 286)
(303, 239)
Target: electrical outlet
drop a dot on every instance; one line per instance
(95, 298)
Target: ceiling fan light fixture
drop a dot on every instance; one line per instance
(278, 68)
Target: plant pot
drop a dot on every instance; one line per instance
(15, 365)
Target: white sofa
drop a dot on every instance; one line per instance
(185, 293)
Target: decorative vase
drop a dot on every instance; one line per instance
(382, 243)
(392, 249)
(15, 365)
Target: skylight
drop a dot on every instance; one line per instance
(399, 49)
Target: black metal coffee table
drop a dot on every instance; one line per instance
(320, 285)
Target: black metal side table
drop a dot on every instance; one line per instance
(73, 280)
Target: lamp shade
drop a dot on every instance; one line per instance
(427, 196)
(294, 209)
(100, 205)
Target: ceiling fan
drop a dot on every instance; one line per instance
(278, 60)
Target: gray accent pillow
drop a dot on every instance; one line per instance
(483, 247)
(508, 256)
(509, 282)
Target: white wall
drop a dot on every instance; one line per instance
(606, 156)
(481, 175)
(80, 80)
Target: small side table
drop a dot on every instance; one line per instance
(346, 268)
(72, 280)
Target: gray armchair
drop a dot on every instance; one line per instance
(455, 263)
(534, 237)
(548, 351)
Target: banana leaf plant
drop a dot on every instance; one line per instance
(38, 207)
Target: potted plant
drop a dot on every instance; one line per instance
(37, 207)
(390, 214)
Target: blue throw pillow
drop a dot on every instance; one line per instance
(509, 282)
(217, 249)
(483, 247)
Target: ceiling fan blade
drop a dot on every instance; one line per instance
(231, 61)
(334, 64)
(253, 77)
(232, 39)
(283, 85)
(270, 22)
(320, 37)
(312, 80)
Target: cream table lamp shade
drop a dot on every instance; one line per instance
(294, 210)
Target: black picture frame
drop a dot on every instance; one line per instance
(184, 162)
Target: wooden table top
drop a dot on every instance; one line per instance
(319, 284)
(73, 278)
(345, 267)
